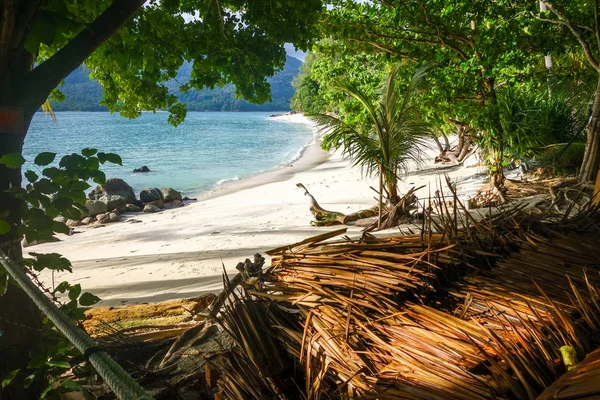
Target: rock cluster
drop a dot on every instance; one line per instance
(106, 202)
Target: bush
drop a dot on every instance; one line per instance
(563, 160)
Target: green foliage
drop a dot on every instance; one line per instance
(228, 42)
(394, 132)
(534, 118)
(56, 188)
(564, 159)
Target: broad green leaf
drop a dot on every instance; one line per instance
(70, 386)
(44, 158)
(3, 283)
(88, 152)
(4, 227)
(59, 364)
(12, 160)
(9, 378)
(75, 291)
(31, 176)
(88, 299)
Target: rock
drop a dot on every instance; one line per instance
(113, 187)
(95, 207)
(132, 208)
(170, 194)
(157, 203)
(150, 208)
(100, 217)
(142, 169)
(189, 198)
(72, 223)
(87, 220)
(174, 204)
(60, 218)
(150, 194)
(113, 217)
(114, 201)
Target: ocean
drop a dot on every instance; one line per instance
(206, 150)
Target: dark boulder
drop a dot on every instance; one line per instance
(142, 169)
(150, 194)
(170, 194)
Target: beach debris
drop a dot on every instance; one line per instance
(141, 169)
(328, 218)
(463, 309)
(397, 213)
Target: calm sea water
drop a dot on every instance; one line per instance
(204, 151)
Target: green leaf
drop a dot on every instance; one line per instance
(59, 364)
(4, 227)
(3, 283)
(70, 386)
(74, 292)
(52, 261)
(12, 160)
(110, 157)
(31, 176)
(9, 378)
(60, 227)
(88, 152)
(88, 299)
(44, 158)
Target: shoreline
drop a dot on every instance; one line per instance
(311, 156)
(182, 252)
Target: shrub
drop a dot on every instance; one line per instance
(563, 160)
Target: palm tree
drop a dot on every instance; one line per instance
(390, 139)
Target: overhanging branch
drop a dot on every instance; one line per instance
(35, 87)
(569, 24)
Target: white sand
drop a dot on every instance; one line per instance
(180, 253)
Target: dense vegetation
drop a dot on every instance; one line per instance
(508, 76)
(84, 94)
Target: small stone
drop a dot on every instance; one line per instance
(60, 218)
(157, 203)
(87, 220)
(132, 208)
(72, 222)
(151, 208)
(113, 217)
(174, 204)
(100, 217)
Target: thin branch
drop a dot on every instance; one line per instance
(567, 22)
(597, 23)
(37, 84)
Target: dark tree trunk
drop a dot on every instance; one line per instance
(392, 189)
(591, 158)
(20, 319)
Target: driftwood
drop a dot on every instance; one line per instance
(397, 213)
(325, 217)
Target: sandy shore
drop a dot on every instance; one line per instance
(180, 253)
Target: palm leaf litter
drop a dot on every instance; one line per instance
(465, 309)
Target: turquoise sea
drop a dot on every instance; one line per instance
(208, 149)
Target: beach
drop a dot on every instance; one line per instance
(182, 252)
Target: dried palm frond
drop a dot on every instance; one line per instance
(467, 309)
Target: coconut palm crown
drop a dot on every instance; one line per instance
(391, 139)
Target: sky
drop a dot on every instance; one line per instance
(299, 54)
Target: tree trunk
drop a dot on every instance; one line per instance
(591, 157)
(392, 189)
(380, 196)
(20, 319)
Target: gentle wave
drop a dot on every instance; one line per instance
(222, 181)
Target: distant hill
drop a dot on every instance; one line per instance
(84, 94)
